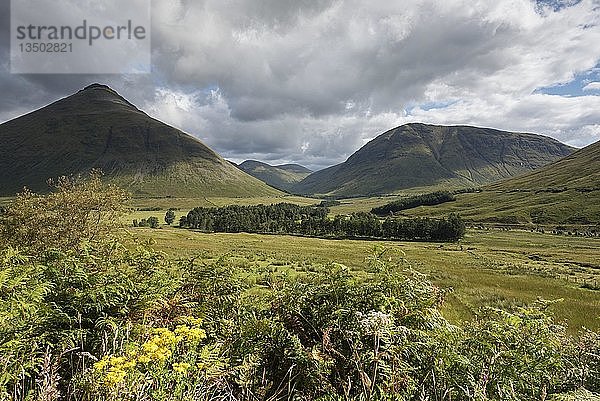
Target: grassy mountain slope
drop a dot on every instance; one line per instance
(565, 192)
(97, 128)
(420, 155)
(580, 170)
(283, 176)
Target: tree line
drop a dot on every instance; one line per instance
(286, 218)
(430, 199)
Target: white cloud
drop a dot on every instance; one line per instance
(592, 86)
(573, 120)
(311, 81)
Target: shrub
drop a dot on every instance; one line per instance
(77, 210)
(153, 222)
(169, 216)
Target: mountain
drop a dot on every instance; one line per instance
(420, 155)
(564, 192)
(282, 177)
(294, 168)
(97, 128)
(580, 170)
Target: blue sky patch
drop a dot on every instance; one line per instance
(430, 106)
(557, 5)
(574, 87)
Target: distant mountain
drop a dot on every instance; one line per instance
(294, 168)
(282, 177)
(420, 155)
(97, 128)
(564, 192)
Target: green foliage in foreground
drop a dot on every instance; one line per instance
(105, 321)
(74, 211)
(109, 323)
(430, 199)
(287, 218)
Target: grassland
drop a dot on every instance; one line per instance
(190, 203)
(488, 268)
(526, 208)
(530, 207)
(564, 192)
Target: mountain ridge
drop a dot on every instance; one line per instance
(579, 170)
(421, 155)
(566, 191)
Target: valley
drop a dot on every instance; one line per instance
(428, 237)
(493, 267)
(489, 268)
(300, 200)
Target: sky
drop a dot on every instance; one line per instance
(311, 81)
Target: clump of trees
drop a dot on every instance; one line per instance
(278, 218)
(286, 218)
(430, 199)
(329, 203)
(170, 216)
(151, 222)
(76, 209)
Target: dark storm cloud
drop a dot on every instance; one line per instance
(368, 53)
(25, 92)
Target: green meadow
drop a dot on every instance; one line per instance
(488, 267)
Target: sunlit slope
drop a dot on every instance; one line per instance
(566, 191)
(580, 170)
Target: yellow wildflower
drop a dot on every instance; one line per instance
(114, 376)
(162, 353)
(182, 329)
(195, 335)
(150, 347)
(101, 364)
(192, 321)
(116, 360)
(181, 367)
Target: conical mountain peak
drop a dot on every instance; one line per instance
(96, 85)
(96, 128)
(101, 95)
